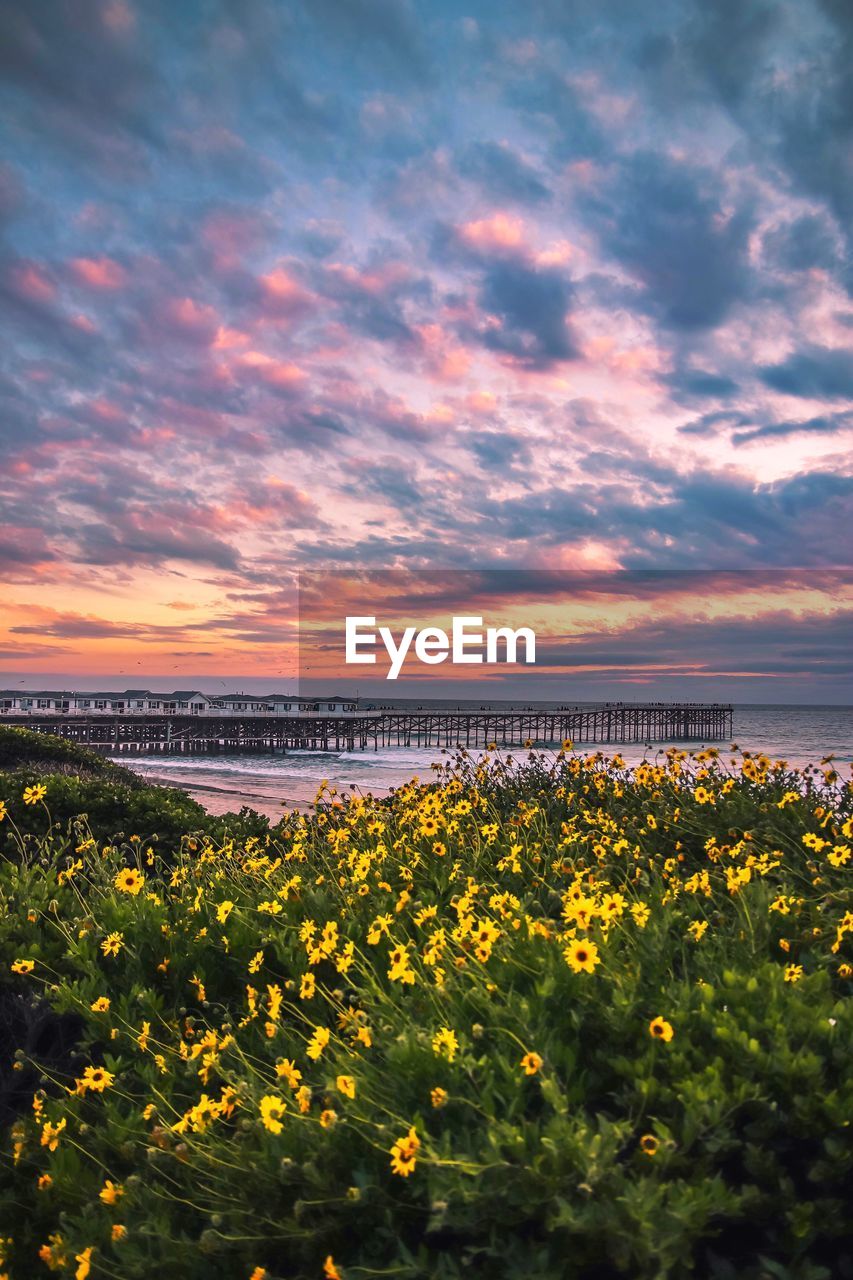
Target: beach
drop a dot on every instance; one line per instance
(271, 783)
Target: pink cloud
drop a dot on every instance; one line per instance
(193, 320)
(99, 273)
(284, 375)
(31, 282)
(106, 411)
(481, 402)
(501, 231)
(557, 255)
(283, 293)
(227, 338)
(118, 17)
(447, 361)
(378, 280)
(229, 234)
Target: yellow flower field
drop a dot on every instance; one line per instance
(545, 1018)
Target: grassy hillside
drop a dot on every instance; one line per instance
(568, 1021)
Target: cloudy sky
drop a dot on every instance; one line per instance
(554, 285)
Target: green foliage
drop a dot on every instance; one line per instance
(647, 975)
(48, 753)
(115, 801)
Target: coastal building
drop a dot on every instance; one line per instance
(182, 702)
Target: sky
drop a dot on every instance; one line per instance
(420, 285)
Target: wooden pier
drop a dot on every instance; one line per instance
(615, 725)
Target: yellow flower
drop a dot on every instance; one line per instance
(117, 1232)
(697, 929)
(224, 910)
(85, 1263)
(272, 1108)
(95, 1078)
(44, 1182)
(839, 855)
(32, 795)
(259, 1273)
(23, 966)
(112, 944)
(649, 1144)
(101, 1005)
(53, 1254)
(438, 1097)
(346, 1086)
(641, 914)
(793, 972)
(111, 1191)
(400, 966)
(445, 1043)
(50, 1134)
(404, 1154)
(287, 1071)
(328, 1118)
(660, 1029)
(330, 1270)
(307, 986)
(530, 1063)
(2, 810)
(582, 957)
(303, 1098)
(319, 1039)
(129, 881)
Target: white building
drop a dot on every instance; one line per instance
(182, 702)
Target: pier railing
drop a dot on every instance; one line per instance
(194, 735)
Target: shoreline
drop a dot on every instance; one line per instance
(203, 793)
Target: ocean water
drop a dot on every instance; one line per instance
(271, 783)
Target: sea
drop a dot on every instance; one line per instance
(271, 784)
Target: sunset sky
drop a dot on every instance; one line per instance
(384, 283)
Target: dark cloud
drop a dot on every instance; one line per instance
(502, 173)
(321, 237)
(12, 194)
(728, 42)
(815, 120)
(704, 519)
(381, 34)
(701, 384)
(532, 306)
(557, 113)
(709, 424)
(85, 83)
(823, 424)
(372, 299)
(802, 245)
(665, 220)
(144, 539)
(817, 373)
(497, 450)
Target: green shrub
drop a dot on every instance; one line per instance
(46, 752)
